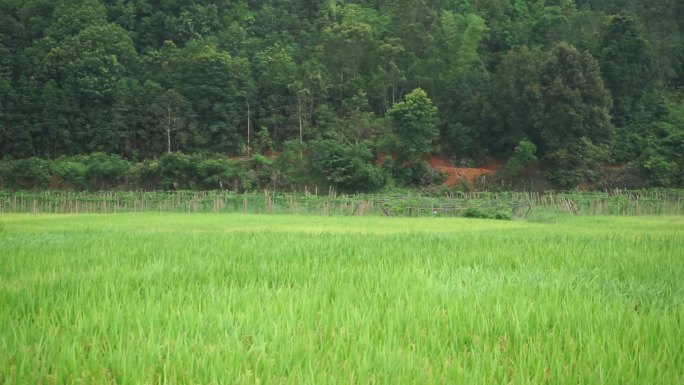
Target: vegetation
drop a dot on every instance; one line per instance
(442, 203)
(177, 298)
(592, 85)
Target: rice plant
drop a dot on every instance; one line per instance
(177, 298)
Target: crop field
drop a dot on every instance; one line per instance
(179, 298)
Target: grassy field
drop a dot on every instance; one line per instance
(245, 299)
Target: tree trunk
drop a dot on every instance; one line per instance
(168, 127)
(249, 128)
(299, 114)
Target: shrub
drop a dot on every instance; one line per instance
(432, 177)
(491, 213)
(176, 171)
(661, 172)
(31, 173)
(72, 172)
(214, 173)
(293, 166)
(345, 168)
(105, 171)
(523, 155)
(147, 175)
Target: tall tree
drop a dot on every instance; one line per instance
(204, 75)
(627, 67)
(55, 131)
(572, 115)
(414, 122)
(348, 41)
(511, 101)
(276, 71)
(14, 140)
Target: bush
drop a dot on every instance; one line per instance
(417, 174)
(492, 213)
(661, 172)
(31, 173)
(293, 165)
(473, 212)
(578, 163)
(105, 171)
(432, 177)
(348, 169)
(524, 154)
(410, 174)
(176, 171)
(261, 170)
(215, 173)
(147, 175)
(71, 171)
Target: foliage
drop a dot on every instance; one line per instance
(627, 67)
(105, 171)
(209, 79)
(31, 173)
(475, 212)
(146, 175)
(259, 172)
(263, 143)
(661, 172)
(71, 171)
(214, 173)
(293, 164)
(414, 123)
(345, 168)
(572, 115)
(524, 154)
(177, 171)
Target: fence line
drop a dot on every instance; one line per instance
(518, 204)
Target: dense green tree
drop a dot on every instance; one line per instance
(524, 154)
(70, 17)
(209, 102)
(215, 173)
(14, 141)
(345, 168)
(511, 101)
(414, 122)
(348, 38)
(572, 115)
(659, 148)
(417, 26)
(627, 68)
(138, 118)
(462, 36)
(276, 71)
(514, 23)
(54, 136)
(314, 87)
(246, 90)
(35, 16)
(462, 118)
(388, 82)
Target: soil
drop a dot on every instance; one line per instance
(456, 174)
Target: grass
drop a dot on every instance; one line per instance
(171, 298)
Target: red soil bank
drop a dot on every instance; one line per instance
(456, 174)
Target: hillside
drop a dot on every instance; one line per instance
(570, 87)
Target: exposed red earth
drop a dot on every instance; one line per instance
(456, 174)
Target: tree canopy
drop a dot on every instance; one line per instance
(588, 83)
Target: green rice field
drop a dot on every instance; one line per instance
(179, 298)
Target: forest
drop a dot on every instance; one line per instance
(351, 95)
